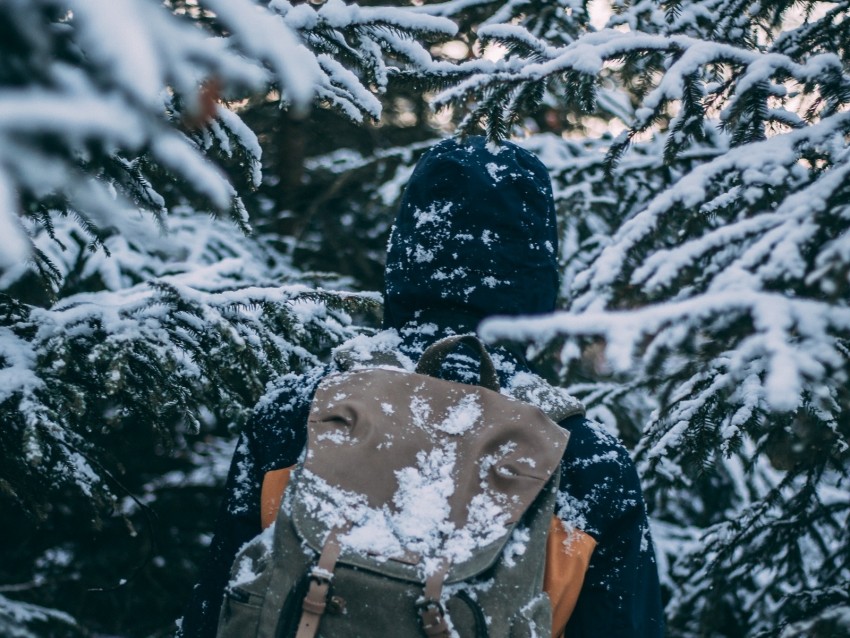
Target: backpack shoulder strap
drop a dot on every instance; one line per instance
(378, 350)
(556, 403)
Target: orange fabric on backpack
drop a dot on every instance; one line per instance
(567, 553)
(274, 484)
(567, 558)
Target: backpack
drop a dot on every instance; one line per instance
(421, 508)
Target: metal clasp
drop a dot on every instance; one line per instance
(432, 614)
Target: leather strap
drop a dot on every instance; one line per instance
(316, 600)
(432, 614)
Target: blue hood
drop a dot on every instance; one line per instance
(475, 235)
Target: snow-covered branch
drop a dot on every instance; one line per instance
(115, 105)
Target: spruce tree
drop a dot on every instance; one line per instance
(712, 262)
(142, 316)
(705, 269)
(703, 253)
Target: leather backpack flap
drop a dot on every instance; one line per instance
(390, 453)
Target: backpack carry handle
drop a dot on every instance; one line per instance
(436, 353)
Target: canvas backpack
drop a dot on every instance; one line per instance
(421, 508)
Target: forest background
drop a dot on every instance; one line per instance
(195, 197)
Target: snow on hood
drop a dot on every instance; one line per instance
(476, 231)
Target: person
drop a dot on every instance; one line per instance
(475, 237)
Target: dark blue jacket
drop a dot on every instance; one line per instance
(475, 237)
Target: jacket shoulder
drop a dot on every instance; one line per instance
(277, 430)
(600, 488)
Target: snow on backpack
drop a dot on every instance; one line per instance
(421, 509)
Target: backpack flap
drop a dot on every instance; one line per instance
(410, 471)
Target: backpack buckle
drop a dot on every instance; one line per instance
(424, 605)
(432, 614)
(321, 576)
(316, 599)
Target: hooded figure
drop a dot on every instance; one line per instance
(476, 234)
(475, 237)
